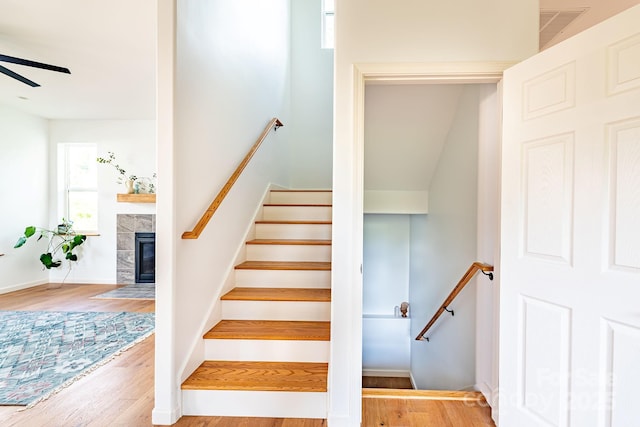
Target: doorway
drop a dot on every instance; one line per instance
(488, 204)
(420, 228)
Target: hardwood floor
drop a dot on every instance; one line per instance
(386, 382)
(120, 393)
(424, 413)
(70, 298)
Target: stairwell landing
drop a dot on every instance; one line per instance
(268, 356)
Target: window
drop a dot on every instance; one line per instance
(328, 23)
(80, 185)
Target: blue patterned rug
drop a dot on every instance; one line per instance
(42, 352)
(145, 291)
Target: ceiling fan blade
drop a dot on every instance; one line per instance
(17, 76)
(20, 61)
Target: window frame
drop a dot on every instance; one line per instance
(65, 187)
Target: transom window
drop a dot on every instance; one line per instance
(328, 24)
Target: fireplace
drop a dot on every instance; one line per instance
(145, 263)
(128, 225)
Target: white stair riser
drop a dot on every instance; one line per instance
(297, 213)
(301, 197)
(283, 279)
(317, 253)
(276, 310)
(268, 404)
(266, 350)
(293, 231)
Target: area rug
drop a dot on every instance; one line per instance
(146, 291)
(42, 352)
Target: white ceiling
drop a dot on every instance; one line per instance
(405, 128)
(109, 46)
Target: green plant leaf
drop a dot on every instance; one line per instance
(29, 231)
(77, 241)
(71, 257)
(21, 241)
(65, 248)
(48, 262)
(40, 236)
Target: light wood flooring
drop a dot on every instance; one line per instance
(386, 382)
(270, 330)
(120, 393)
(264, 376)
(402, 412)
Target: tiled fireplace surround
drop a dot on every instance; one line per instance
(127, 227)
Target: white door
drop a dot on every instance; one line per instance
(570, 249)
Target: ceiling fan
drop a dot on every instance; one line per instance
(20, 61)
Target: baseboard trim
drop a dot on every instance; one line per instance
(21, 286)
(380, 393)
(165, 418)
(87, 281)
(341, 421)
(414, 384)
(386, 373)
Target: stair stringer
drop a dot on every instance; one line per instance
(214, 314)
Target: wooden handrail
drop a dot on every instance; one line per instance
(475, 267)
(204, 220)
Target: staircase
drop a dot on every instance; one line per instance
(268, 356)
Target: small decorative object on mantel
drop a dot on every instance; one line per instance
(129, 184)
(404, 308)
(62, 239)
(133, 183)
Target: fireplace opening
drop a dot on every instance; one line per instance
(145, 271)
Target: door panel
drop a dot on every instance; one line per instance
(570, 226)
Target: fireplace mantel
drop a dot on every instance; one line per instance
(136, 198)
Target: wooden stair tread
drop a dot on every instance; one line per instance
(301, 242)
(258, 376)
(381, 393)
(278, 294)
(270, 330)
(284, 265)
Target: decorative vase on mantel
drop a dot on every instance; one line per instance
(129, 184)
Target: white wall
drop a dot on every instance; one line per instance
(311, 99)
(231, 78)
(405, 128)
(385, 280)
(448, 234)
(133, 143)
(409, 32)
(24, 195)
(385, 264)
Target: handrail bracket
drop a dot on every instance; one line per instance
(489, 274)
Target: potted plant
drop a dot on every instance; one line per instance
(122, 178)
(63, 239)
